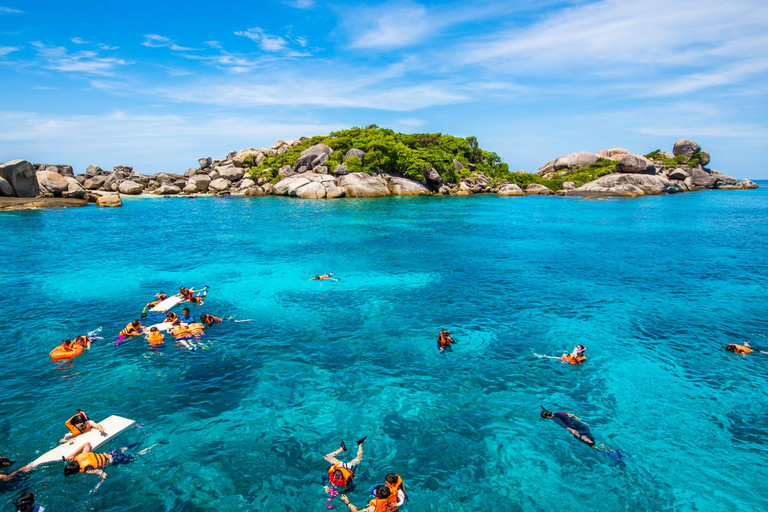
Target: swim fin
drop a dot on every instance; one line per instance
(361, 441)
(343, 446)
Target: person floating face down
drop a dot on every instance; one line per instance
(744, 349)
(323, 277)
(189, 295)
(26, 503)
(384, 501)
(5, 462)
(80, 424)
(577, 356)
(444, 341)
(84, 460)
(160, 298)
(209, 320)
(580, 431)
(342, 474)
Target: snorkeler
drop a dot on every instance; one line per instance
(160, 298)
(444, 341)
(384, 501)
(575, 357)
(341, 474)
(744, 349)
(323, 277)
(80, 424)
(155, 337)
(209, 320)
(5, 462)
(26, 503)
(84, 460)
(132, 329)
(580, 431)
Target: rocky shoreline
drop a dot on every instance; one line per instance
(27, 185)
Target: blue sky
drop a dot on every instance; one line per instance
(157, 85)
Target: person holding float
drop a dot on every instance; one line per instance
(80, 424)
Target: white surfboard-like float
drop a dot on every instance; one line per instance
(162, 307)
(112, 425)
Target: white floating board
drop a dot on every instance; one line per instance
(113, 425)
(162, 307)
(165, 326)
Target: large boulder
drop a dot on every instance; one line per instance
(678, 174)
(66, 170)
(127, 169)
(340, 170)
(580, 159)
(255, 192)
(74, 190)
(359, 153)
(635, 164)
(130, 188)
(537, 189)
(747, 184)
(204, 162)
(93, 170)
(433, 177)
(189, 189)
(332, 191)
(167, 190)
(247, 183)
(52, 183)
(511, 189)
(95, 182)
(702, 178)
(5, 188)
(686, 147)
(311, 190)
(613, 153)
(220, 185)
(624, 185)
(288, 186)
(109, 200)
(22, 177)
(360, 184)
(405, 187)
(230, 172)
(308, 156)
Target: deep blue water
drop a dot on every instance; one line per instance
(652, 286)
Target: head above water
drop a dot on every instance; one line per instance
(185, 311)
(382, 492)
(547, 415)
(25, 502)
(177, 322)
(136, 323)
(391, 478)
(5, 461)
(153, 329)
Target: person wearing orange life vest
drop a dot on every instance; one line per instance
(83, 341)
(160, 298)
(209, 320)
(171, 317)
(444, 341)
(575, 357)
(342, 474)
(84, 460)
(189, 295)
(155, 337)
(383, 501)
(328, 276)
(744, 349)
(182, 333)
(80, 424)
(396, 487)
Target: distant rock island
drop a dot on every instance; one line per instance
(375, 162)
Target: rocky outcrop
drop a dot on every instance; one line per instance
(220, 185)
(167, 190)
(625, 185)
(359, 153)
(22, 177)
(313, 156)
(95, 183)
(109, 201)
(580, 159)
(613, 154)
(702, 178)
(204, 162)
(230, 172)
(359, 184)
(405, 187)
(536, 189)
(5, 188)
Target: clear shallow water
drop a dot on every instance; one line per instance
(651, 286)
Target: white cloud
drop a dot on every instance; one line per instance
(58, 59)
(8, 10)
(274, 44)
(5, 50)
(79, 40)
(157, 41)
(301, 4)
(392, 25)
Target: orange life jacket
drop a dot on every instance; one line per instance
(324, 276)
(171, 317)
(155, 338)
(76, 431)
(83, 340)
(386, 505)
(196, 329)
(445, 340)
(161, 297)
(210, 319)
(393, 488)
(92, 460)
(568, 358)
(741, 349)
(181, 331)
(346, 476)
(130, 330)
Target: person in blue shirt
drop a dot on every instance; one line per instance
(26, 503)
(186, 317)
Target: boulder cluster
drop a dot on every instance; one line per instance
(312, 177)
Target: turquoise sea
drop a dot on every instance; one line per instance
(653, 287)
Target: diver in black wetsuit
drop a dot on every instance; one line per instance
(580, 431)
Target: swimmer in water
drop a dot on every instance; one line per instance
(580, 431)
